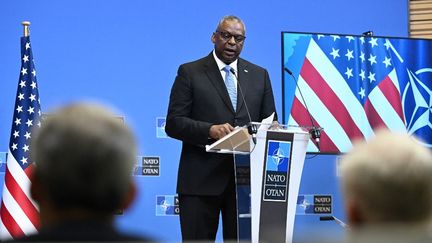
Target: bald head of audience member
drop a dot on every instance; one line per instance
(388, 180)
(84, 160)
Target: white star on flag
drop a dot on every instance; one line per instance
(372, 59)
(371, 77)
(30, 110)
(373, 42)
(25, 148)
(22, 84)
(387, 61)
(349, 54)
(14, 146)
(335, 53)
(27, 135)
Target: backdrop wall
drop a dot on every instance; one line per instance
(126, 54)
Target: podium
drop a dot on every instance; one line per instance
(268, 176)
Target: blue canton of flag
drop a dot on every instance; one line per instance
(363, 62)
(19, 213)
(351, 86)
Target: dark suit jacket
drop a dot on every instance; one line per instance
(198, 100)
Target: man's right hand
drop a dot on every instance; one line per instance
(219, 131)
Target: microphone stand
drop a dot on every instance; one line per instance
(314, 131)
(338, 221)
(252, 129)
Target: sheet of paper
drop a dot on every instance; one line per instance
(266, 122)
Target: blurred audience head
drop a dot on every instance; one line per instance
(84, 159)
(388, 180)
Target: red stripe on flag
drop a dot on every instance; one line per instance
(9, 222)
(330, 100)
(373, 117)
(393, 96)
(300, 114)
(29, 170)
(21, 198)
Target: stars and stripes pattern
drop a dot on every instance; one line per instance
(18, 212)
(351, 88)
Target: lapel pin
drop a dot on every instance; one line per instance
(245, 71)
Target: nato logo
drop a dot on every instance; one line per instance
(151, 166)
(138, 167)
(314, 204)
(276, 171)
(147, 166)
(278, 155)
(416, 99)
(160, 127)
(167, 205)
(3, 156)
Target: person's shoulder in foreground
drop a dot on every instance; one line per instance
(84, 157)
(387, 189)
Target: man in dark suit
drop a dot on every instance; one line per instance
(84, 160)
(205, 105)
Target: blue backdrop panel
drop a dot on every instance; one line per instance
(126, 54)
(320, 179)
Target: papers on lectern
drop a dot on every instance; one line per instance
(235, 141)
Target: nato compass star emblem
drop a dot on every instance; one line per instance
(167, 205)
(278, 156)
(164, 205)
(417, 100)
(305, 204)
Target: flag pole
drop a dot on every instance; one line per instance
(26, 25)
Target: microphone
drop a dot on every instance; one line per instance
(252, 129)
(338, 221)
(315, 131)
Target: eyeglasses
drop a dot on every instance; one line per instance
(226, 36)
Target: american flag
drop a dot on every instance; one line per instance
(18, 212)
(351, 89)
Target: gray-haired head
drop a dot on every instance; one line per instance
(84, 158)
(230, 18)
(388, 180)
